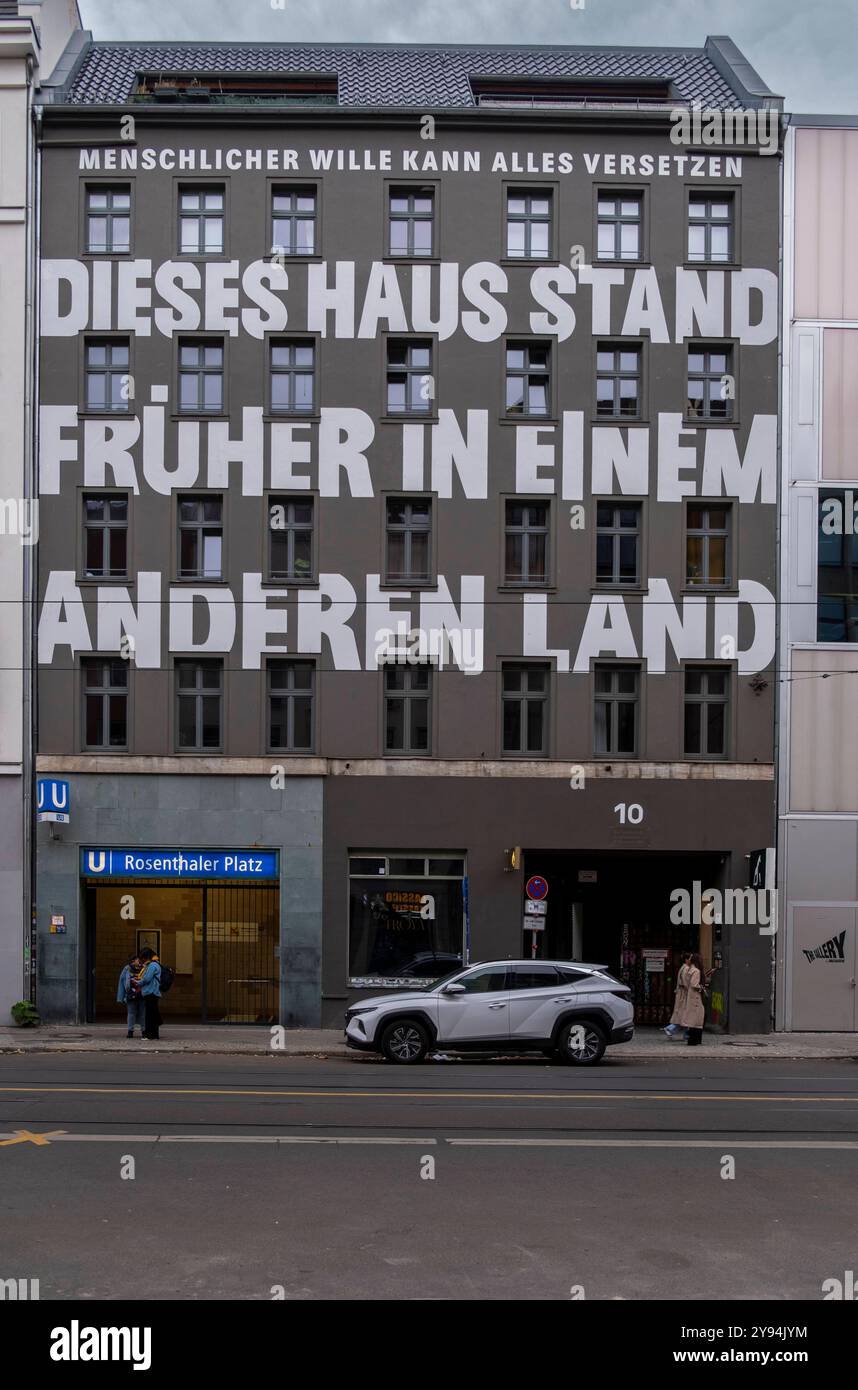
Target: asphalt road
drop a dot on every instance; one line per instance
(256, 1178)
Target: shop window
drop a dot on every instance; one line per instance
(404, 929)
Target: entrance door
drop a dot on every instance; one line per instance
(220, 939)
(823, 969)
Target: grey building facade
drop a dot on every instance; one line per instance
(408, 477)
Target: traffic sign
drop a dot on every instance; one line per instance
(536, 888)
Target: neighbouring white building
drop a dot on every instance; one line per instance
(32, 39)
(818, 795)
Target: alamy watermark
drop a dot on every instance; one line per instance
(703, 125)
(743, 907)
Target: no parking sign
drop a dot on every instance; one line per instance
(536, 888)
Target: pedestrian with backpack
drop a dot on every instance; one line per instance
(150, 979)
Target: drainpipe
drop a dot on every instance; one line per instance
(30, 562)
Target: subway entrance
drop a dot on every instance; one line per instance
(221, 939)
(615, 910)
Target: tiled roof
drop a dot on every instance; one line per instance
(395, 75)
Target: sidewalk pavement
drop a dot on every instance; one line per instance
(230, 1040)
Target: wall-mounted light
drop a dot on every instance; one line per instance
(512, 860)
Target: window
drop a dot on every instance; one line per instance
(290, 532)
(710, 393)
(525, 710)
(533, 977)
(616, 712)
(293, 377)
(105, 537)
(707, 545)
(526, 543)
(406, 709)
(409, 377)
(108, 377)
(528, 226)
(108, 220)
(200, 537)
(528, 378)
(710, 227)
(618, 382)
(411, 221)
(409, 540)
(489, 979)
(199, 689)
(618, 527)
(837, 567)
(406, 918)
(294, 214)
(619, 223)
(290, 706)
(201, 221)
(105, 704)
(201, 377)
(706, 696)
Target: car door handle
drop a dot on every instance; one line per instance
(497, 1006)
(567, 999)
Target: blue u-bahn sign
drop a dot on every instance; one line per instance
(53, 802)
(245, 864)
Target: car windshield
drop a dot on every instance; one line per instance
(442, 979)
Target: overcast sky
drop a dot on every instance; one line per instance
(804, 49)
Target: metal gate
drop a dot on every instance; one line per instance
(241, 955)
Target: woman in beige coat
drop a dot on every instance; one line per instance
(688, 1010)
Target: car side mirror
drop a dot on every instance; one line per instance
(453, 989)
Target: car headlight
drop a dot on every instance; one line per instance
(369, 1009)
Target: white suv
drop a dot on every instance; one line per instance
(562, 1008)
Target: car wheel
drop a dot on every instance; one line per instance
(407, 1041)
(581, 1044)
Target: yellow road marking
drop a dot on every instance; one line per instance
(408, 1095)
(23, 1136)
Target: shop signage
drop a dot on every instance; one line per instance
(654, 961)
(52, 801)
(247, 864)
